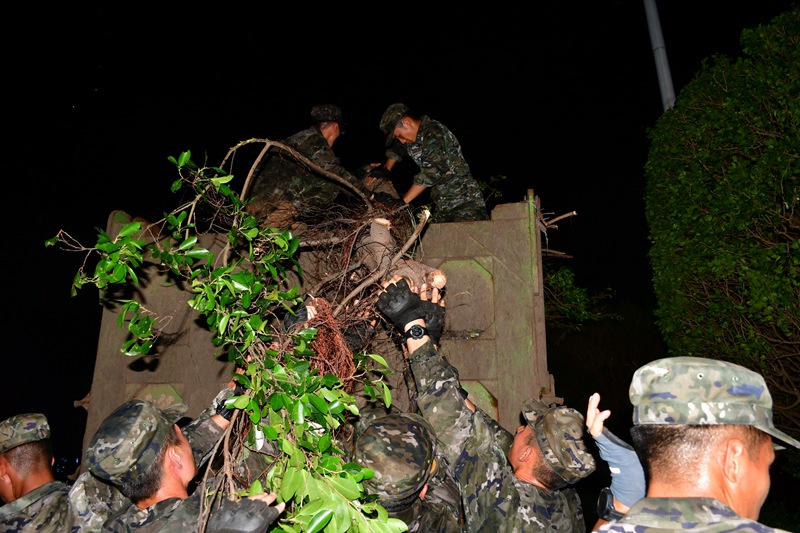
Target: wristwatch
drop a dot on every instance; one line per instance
(605, 506)
(415, 332)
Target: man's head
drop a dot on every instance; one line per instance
(391, 119)
(700, 391)
(556, 435)
(130, 440)
(22, 429)
(401, 449)
(26, 455)
(703, 428)
(328, 113)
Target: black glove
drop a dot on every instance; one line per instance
(290, 320)
(382, 173)
(244, 516)
(363, 171)
(434, 320)
(357, 336)
(400, 305)
(386, 199)
(223, 411)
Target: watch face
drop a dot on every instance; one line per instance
(416, 332)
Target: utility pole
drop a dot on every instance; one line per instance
(660, 55)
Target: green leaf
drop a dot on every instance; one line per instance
(345, 486)
(320, 520)
(130, 229)
(292, 479)
(320, 404)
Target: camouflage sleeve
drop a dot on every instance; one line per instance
(441, 402)
(395, 151)
(202, 432)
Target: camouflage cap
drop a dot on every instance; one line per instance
(701, 391)
(390, 118)
(129, 439)
(559, 432)
(400, 448)
(22, 429)
(327, 113)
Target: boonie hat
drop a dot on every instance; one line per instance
(701, 391)
(129, 439)
(400, 448)
(559, 433)
(22, 429)
(390, 118)
(327, 113)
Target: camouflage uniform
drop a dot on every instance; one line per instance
(285, 185)
(696, 391)
(45, 508)
(92, 501)
(401, 448)
(442, 168)
(126, 444)
(494, 499)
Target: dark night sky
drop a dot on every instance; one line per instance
(557, 96)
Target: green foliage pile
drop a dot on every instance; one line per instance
(722, 200)
(286, 401)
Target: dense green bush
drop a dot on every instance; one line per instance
(722, 199)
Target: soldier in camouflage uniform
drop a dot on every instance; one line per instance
(703, 430)
(140, 448)
(93, 499)
(35, 500)
(411, 479)
(442, 166)
(524, 488)
(284, 188)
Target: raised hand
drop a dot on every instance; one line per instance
(400, 305)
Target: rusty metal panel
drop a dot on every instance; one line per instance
(189, 375)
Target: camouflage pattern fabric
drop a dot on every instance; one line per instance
(700, 391)
(173, 515)
(493, 498)
(129, 439)
(400, 449)
(559, 432)
(21, 429)
(442, 510)
(281, 180)
(177, 515)
(444, 170)
(698, 515)
(44, 509)
(327, 113)
(92, 501)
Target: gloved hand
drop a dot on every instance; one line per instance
(244, 516)
(223, 411)
(400, 305)
(382, 173)
(364, 171)
(290, 320)
(387, 199)
(434, 320)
